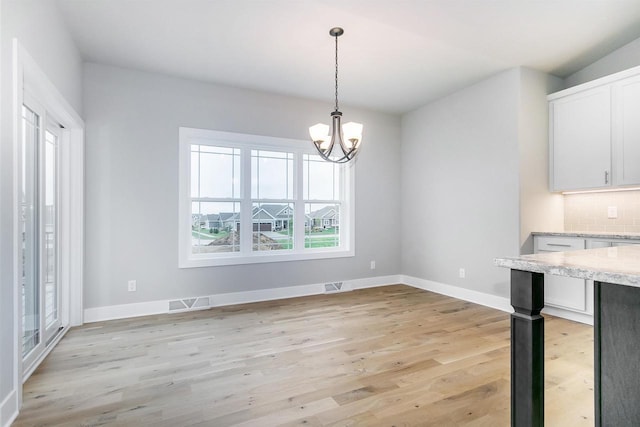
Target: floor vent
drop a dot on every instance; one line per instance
(187, 304)
(334, 287)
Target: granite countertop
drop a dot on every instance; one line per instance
(619, 264)
(590, 234)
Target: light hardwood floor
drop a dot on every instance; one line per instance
(391, 356)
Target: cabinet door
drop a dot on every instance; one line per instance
(581, 140)
(626, 131)
(566, 293)
(594, 244)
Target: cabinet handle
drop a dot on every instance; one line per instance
(606, 177)
(559, 244)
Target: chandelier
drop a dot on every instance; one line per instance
(347, 136)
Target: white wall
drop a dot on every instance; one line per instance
(40, 29)
(540, 210)
(460, 185)
(132, 120)
(628, 56)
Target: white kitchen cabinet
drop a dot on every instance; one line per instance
(569, 297)
(605, 243)
(594, 134)
(580, 135)
(565, 293)
(626, 131)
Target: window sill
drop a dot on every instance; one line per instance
(195, 261)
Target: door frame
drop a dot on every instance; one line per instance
(29, 78)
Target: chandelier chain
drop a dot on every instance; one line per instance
(336, 73)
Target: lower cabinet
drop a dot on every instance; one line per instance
(566, 296)
(565, 293)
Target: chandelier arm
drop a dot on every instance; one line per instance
(324, 150)
(348, 151)
(342, 159)
(336, 129)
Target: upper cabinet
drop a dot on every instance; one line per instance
(581, 140)
(594, 134)
(626, 131)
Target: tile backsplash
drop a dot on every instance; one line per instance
(589, 212)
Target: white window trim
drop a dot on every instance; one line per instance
(186, 259)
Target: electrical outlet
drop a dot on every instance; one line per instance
(373, 265)
(132, 285)
(462, 273)
(612, 212)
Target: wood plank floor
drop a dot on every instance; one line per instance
(391, 356)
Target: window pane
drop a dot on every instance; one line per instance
(218, 172)
(195, 173)
(50, 232)
(321, 225)
(215, 227)
(321, 179)
(28, 227)
(216, 150)
(271, 175)
(272, 226)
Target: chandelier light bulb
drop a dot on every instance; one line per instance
(352, 133)
(319, 132)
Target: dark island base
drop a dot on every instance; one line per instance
(617, 355)
(617, 352)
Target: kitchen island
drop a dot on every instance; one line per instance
(616, 275)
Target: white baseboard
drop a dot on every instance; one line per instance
(246, 297)
(9, 409)
(124, 311)
(374, 282)
(488, 300)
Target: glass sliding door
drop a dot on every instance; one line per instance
(46, 213)
(38, 222)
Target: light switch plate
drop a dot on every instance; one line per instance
(612, 212)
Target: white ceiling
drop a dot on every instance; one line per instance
(394, 56)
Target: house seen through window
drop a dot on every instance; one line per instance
(259, 199)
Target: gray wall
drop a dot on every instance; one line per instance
(132, 121)
(628, 56)
(460, 204)
(40, 29)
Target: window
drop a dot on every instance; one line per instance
(247, 199)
